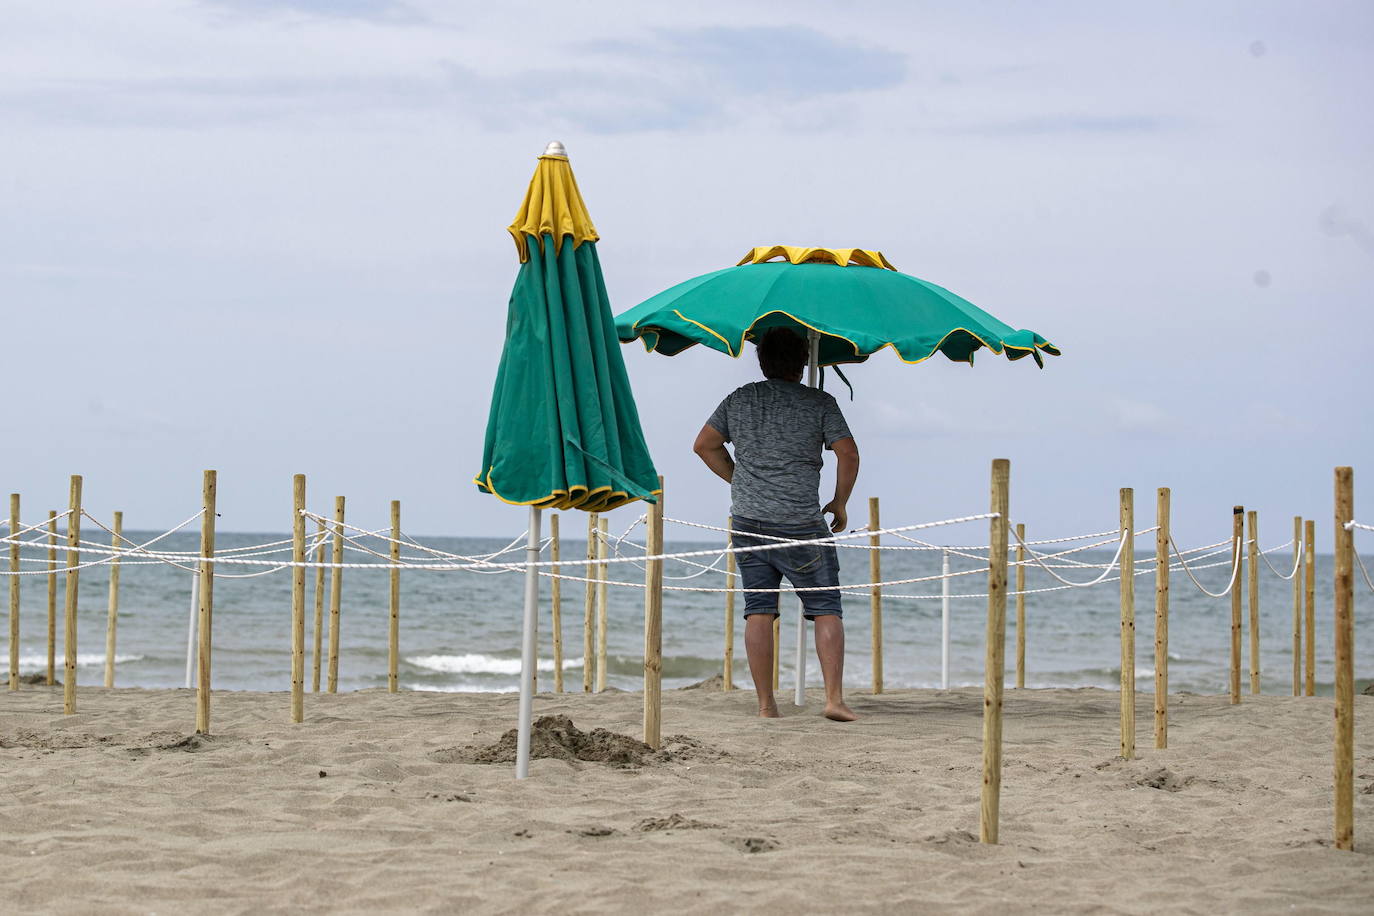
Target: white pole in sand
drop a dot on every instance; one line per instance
(944, 621)
(813, 340)
(527, 645)
(191, 630)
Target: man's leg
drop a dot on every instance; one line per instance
(830, 651)
(758, 645)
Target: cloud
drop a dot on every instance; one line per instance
(389, 11)
(1336, 223)
(1074, 124)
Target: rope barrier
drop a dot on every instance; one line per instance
(1235, 569)
(1297, 564)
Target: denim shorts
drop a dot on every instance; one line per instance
(804, 565)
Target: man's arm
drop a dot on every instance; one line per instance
(710, 448)
(846, 472)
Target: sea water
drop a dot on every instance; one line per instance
(460, 630)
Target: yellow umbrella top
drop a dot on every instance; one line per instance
(797, 254)
(553, 206)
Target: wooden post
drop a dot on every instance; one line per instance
(1237, 552)
(335, 596)
(394, 630)
(70, 596)
(1310, 580)
(207, 603)
(875, 598)
(298, 602)
(1252, 559)
(112, 606)
(602, 597)
(1297, 605)
(52, 597)
(14, 592)
(589, 610)
(653, 626)
(1162, 617)
(556, 603)
(1020, 606)
(1345, 661)
(1128, 623)
(728, 676)
(995, 657)
(318, 635)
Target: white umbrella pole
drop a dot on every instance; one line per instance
(191, 630)
(814, 345)
(944, 622)
(527, 646)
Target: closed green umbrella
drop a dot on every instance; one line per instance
(563, 431)
(853, 300)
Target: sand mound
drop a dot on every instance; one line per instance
(716, 682)
(559, 738)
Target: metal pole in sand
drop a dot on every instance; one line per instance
(192, 630)
(112, 606)
(1345, 661)
(602, 597)
(1252, 558)
(322, 538)
(1128, 623)
(1297, 605)
(207, 603)
(944, 620)
(529, 637)
(777, 647)
(799, 656)
(1309, 546)
(14, 592)
(70, 595)
(335, 596)
(1237, 547)
(875, 597)
(589, 609)
(298, 602)
(1020, 605)
(728, 675)
(556, 604)
(653, 626)
(995, 656)
(1162, 617)
(393, 654)
(52, 597)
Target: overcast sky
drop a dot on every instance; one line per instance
(268, 237)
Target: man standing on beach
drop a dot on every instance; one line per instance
(779, 427)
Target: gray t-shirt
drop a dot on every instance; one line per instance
(778, 429)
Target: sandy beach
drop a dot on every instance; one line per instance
(383, 803)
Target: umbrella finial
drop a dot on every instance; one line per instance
(555, 149)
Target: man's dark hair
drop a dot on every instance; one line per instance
(782, 354)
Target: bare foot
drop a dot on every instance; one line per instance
(840, 712)
(769, 711)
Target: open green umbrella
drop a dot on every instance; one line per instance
(852, 300)
(849, 303)
(563, 431)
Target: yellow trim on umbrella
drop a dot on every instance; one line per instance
(553, 206)
(601, 499)
(733, 352)
(841, 257)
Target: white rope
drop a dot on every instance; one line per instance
(1352, 525)
(1119, 548)
(1297, 563)
(1235, 569)
(1363, 569)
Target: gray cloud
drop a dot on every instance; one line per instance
(1075, 124)
(390, 11)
